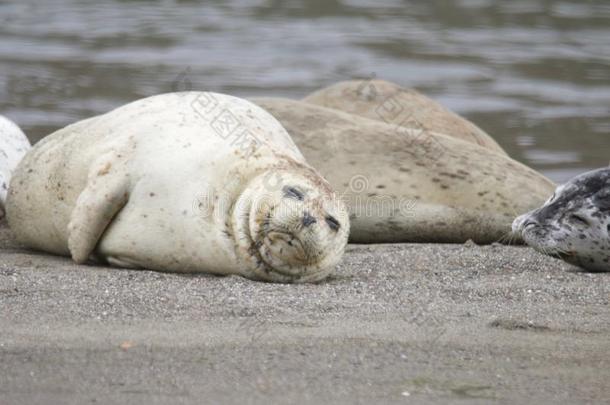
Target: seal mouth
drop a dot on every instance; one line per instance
(281, 250)
(276, 263)
(273, 238)
(536, 236)
(566, 255)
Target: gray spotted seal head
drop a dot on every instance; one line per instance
(574, 224)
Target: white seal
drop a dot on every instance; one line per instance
(185, 182)
(574, 224)
(13, 145)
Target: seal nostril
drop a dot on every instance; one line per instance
(529, 223)
(308, 219)
(332, 222)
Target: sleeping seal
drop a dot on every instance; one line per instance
(184, 182)
(401, 107)
(410, 185)
(574, 224)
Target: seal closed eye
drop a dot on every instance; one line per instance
(332, 222)
(292, 192)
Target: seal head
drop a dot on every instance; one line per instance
(290, 227)
(574, 224)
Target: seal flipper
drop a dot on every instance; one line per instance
(106, 192)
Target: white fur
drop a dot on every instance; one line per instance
(13, 145)
(154, 184)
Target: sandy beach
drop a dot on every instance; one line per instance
(396, 324)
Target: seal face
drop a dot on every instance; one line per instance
(291, 230)
(184, 182)
(574, 224)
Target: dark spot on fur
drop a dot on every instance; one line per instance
(452, 175)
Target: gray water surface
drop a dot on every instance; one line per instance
(534, 74)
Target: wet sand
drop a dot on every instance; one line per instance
(396, 324)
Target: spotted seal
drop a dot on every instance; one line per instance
(574, 224)
(393, 104)
(184, 182)
(411, 185)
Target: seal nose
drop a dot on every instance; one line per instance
(529, 222)
(308, 219)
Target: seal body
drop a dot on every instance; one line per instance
(574, 223)
(411, 185)
(185, 182)
(400, 107)
(13, 145)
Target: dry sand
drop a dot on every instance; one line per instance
(403, 324)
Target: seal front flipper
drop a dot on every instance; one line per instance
(106, 192)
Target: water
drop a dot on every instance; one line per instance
(535, 74)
